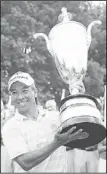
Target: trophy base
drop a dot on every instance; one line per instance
(94, 131)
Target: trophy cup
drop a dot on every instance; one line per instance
(68, 43)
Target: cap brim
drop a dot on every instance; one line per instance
(27, 83)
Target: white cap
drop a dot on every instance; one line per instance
(21, 77)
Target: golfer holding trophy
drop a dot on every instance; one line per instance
(68, 43)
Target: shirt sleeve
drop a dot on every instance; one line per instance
(14, 142)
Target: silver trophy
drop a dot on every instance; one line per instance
(68, 43)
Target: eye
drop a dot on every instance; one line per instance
(13, 92)
(25, 90)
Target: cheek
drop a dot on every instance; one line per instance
(32, 95)
(29, 97)
(13, 100)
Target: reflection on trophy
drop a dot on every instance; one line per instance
(68, 44)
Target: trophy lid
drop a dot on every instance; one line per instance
(64, 16)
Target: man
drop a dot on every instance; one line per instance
(2, 114)
(6, 163)
(102, 154)
(82, 160)
(31, 144)
(51, 105)
(91, 159)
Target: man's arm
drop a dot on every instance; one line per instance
(102, 146)
(35, 157)
(102, 149)
(31, 159)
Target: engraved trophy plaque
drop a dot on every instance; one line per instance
(68, 42)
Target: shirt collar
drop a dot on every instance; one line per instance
(21, 117)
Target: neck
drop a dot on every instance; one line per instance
(32, 112)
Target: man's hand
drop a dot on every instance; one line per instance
(95, 147)
(64, 138)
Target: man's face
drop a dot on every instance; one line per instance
(22, 96)
(51, 108)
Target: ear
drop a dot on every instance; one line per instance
(35, 93)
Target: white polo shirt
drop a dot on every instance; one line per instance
(21, 135)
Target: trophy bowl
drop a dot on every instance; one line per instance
(82, 111)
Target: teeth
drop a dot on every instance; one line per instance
(22, 103)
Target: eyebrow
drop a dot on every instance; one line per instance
(12, 89)
(25, 87)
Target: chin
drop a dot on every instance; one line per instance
(23, 110)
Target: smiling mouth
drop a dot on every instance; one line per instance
(22, 103)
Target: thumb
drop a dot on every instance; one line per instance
(88, 148)
(59, 130)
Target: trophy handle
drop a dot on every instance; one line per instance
(46, 39)
(89, 31)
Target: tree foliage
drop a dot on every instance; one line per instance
(21, 19)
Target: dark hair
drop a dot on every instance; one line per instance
(104, 79)
(36, 100)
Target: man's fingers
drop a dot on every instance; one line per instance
(59, 130)
(90, 147)
(76, 134)
(71, 130)
(68, 132)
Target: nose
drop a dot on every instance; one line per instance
(20, 96)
